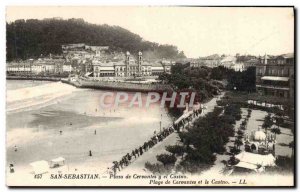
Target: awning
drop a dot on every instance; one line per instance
(107, 69)
(274, 78)
(246, 165)
(256, 159)
(58, 160)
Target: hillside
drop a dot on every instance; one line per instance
(31, 38)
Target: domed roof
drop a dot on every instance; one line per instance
(259, 136)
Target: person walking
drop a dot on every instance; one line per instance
(11, 168)
(133, 154)
(137, 152)
(121, 163)
(141, 151)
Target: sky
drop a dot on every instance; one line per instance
(198, 31)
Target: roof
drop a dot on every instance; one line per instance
(40, 167)
(156, 64)
(106, 68)
(157, 68)
(59, 159)
(214, 56)
(229, 59)
(246, 165)
(259, 136)
(145, 63)
(288, 55)
(119, 63)
(109, 64)
(274, 78)
(256, 159)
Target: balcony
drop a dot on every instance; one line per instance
(273, 87)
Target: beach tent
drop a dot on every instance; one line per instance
(60, 161)
(40, 167)
(256, 159)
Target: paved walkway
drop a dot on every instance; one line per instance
(138, 165)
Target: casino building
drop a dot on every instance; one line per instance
(131, 66)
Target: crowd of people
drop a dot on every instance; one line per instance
(135, 153)
(158, 137)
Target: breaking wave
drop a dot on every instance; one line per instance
(26, 98)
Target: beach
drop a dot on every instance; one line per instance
(35, 129)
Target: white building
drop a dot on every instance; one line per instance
(130, 67)
(239, 67)
(67, 68)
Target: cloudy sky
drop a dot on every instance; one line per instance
(198, 31)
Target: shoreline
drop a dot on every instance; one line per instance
(117, 86)
(100, 85)
(33, 78)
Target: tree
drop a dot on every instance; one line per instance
(176, 150)
(276, 131)
(267, 122)
(166, 159)
(240, 132)
(30, 38)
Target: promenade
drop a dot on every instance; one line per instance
(121, 86)
(138, 165)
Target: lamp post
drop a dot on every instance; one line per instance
(160, 122)
(160, 126)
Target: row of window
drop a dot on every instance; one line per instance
(278, 72)
(130, 68)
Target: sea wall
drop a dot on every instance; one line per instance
(121, 86)
(104, 85)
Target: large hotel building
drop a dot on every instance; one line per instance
(130, 67)
(275, 75)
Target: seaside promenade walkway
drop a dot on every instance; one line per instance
(118, 86)
(138, 165)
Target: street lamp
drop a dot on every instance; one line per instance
(160, 126)
(160, 122)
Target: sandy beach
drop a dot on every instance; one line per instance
(36, 132)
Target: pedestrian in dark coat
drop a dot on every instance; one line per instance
(137, 152)
(133, 154)
(141, 151)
